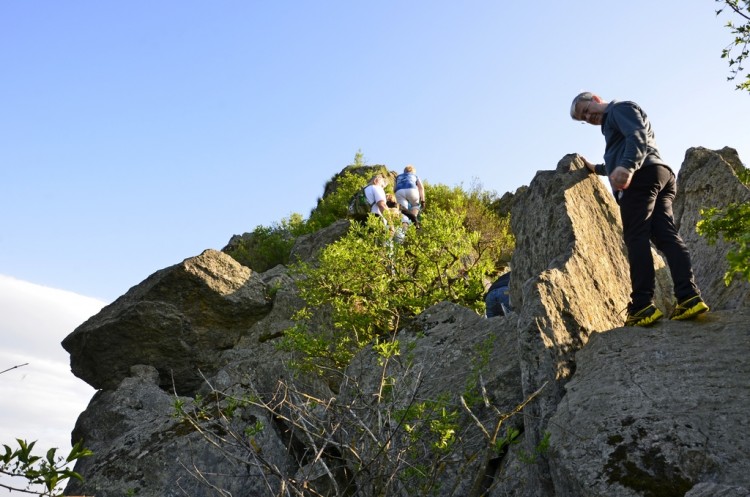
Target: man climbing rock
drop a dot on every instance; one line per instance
(644, 187)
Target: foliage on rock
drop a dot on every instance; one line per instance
(733, 225)
(267, 246)
(372, 284)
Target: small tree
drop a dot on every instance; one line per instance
(732, 224)
(737, 51)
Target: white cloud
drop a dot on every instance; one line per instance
(42, 399)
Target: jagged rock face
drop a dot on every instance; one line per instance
(212, 318)
(307, 247)
(570, 278)
(652, 412)
(709, 179)
(178, 320)
(141, 448)
(448, 352)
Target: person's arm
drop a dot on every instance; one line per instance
(379, 195)
(421, 191)
(594, 168)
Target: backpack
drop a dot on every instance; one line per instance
(359, 206)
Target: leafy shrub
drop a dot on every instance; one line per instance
(733, 225)
(371, 284)
(267, 246)
(334, 203)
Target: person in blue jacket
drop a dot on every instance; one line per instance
(497, 298)
(409, 192)
(644, 187)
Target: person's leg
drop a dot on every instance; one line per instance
(401, 198)
(636, 206)
(403, 201)
(667, 239)
(412, 195)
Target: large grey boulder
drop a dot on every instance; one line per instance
(570, 276)
(142, 448)
(653, 412)
(570, 279)
(178, 320)
(213, 325)
(709, 178)
(716, 490)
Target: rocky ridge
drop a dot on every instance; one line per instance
(624, 412)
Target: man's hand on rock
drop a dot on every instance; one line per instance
(590, 166)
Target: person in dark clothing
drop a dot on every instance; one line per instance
(497, 298)
(644, 187)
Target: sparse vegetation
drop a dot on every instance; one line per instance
(33, 474)
(732, 224)
(385, 438)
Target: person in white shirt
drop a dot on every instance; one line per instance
(375, 194)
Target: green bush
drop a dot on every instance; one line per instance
(267, 246)
(334, 204)
(372, 284)
(733, 225)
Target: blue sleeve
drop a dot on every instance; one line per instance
(630, 121)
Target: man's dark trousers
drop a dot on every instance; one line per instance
(646, 211)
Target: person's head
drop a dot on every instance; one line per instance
(588, 107)
(378, 179)
(409, 169)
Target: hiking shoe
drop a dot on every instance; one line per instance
(645, 317)
(689, 308)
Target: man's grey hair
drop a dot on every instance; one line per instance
(581, 97)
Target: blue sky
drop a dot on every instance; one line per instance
(136, 134)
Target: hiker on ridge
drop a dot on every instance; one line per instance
(644, 187)
(375, 194)
(390, 201)
(409, 192)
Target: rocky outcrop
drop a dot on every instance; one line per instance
(142, 448)
(178, 320)
(708, 178)
(307, 247)
(609, 411)
(655, 411)
(461, 364)
(570, 279)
